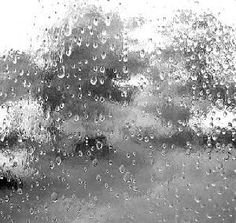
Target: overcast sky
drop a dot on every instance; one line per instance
(23, 20)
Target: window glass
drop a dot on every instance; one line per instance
(117, 111)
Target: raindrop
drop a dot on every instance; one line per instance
(108, 21)
(62, 73)
(142, 53)
(103, 55)
(95, 21)
(58, 160)
(99, 145)
(93, 80)
(99, 178)
(68, 29)
(122, 168)
(54, 197)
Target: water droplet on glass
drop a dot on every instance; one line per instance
(54, 197)
(62, 73)
(93, 80)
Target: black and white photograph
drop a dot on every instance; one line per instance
(118, 111)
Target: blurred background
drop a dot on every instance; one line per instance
(117, 111)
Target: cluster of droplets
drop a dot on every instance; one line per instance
(165, 150)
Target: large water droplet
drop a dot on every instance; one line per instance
(62, 73)
(93, 80)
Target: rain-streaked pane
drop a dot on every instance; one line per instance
(117, 111)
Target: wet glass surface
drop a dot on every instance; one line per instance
(118, 112)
